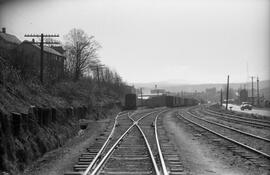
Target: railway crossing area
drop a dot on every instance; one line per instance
(142, 142)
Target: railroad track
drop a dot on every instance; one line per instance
(240, 143)
(238, 119)
(137, 144)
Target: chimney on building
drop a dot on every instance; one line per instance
(4, 30)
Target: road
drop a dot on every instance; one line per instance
(254, 110)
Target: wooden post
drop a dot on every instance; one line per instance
(41, 58)
(221, 98)
(227, 95)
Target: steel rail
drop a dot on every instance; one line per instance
(149, 150)
(103, 146)
(261, 122)
(227, 138)
(163, 165)
(228, 127)
(113, 147)
(234, 115)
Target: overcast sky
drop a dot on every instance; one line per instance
(183, 41)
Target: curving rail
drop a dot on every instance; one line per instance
(163, 165)
(149, 149)
(103, 146)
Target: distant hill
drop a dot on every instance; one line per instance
(264, 86)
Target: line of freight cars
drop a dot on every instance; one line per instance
(170, 101)
(159, 101)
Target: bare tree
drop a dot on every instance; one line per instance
(81, 52)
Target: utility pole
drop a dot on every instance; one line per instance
(221, 97)
(41, 49)
(227, 95)
(252, 91)
(141, 98)
(258, 92)
(97, 67)
(98, 76)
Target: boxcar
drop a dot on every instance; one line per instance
(170, 101)
(130, 101)
(157, 101)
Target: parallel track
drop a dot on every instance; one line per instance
(198, 123)
(238, 119)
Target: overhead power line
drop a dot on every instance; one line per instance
(42, 48)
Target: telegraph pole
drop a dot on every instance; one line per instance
(41, 49)
(227, 94)
(97, 67)
(258, 92)
(98, 76)
(252, 91)
(221, 97)
(41, 57)
(141, 98)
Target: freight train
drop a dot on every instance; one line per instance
(159, 101)
(170, 101)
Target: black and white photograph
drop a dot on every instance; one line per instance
(134, 87)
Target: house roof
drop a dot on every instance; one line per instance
(10, 38)
(59, 49)
(45, 48)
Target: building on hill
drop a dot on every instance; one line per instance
(28, 60)
(8, 43)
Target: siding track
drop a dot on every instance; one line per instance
(238, 119)
(243, 144)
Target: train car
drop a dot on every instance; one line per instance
(170, 101)
(190, 102)
(182, 103)
(157, 101)
(130, 101)
(185, 101)
(178, 101)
